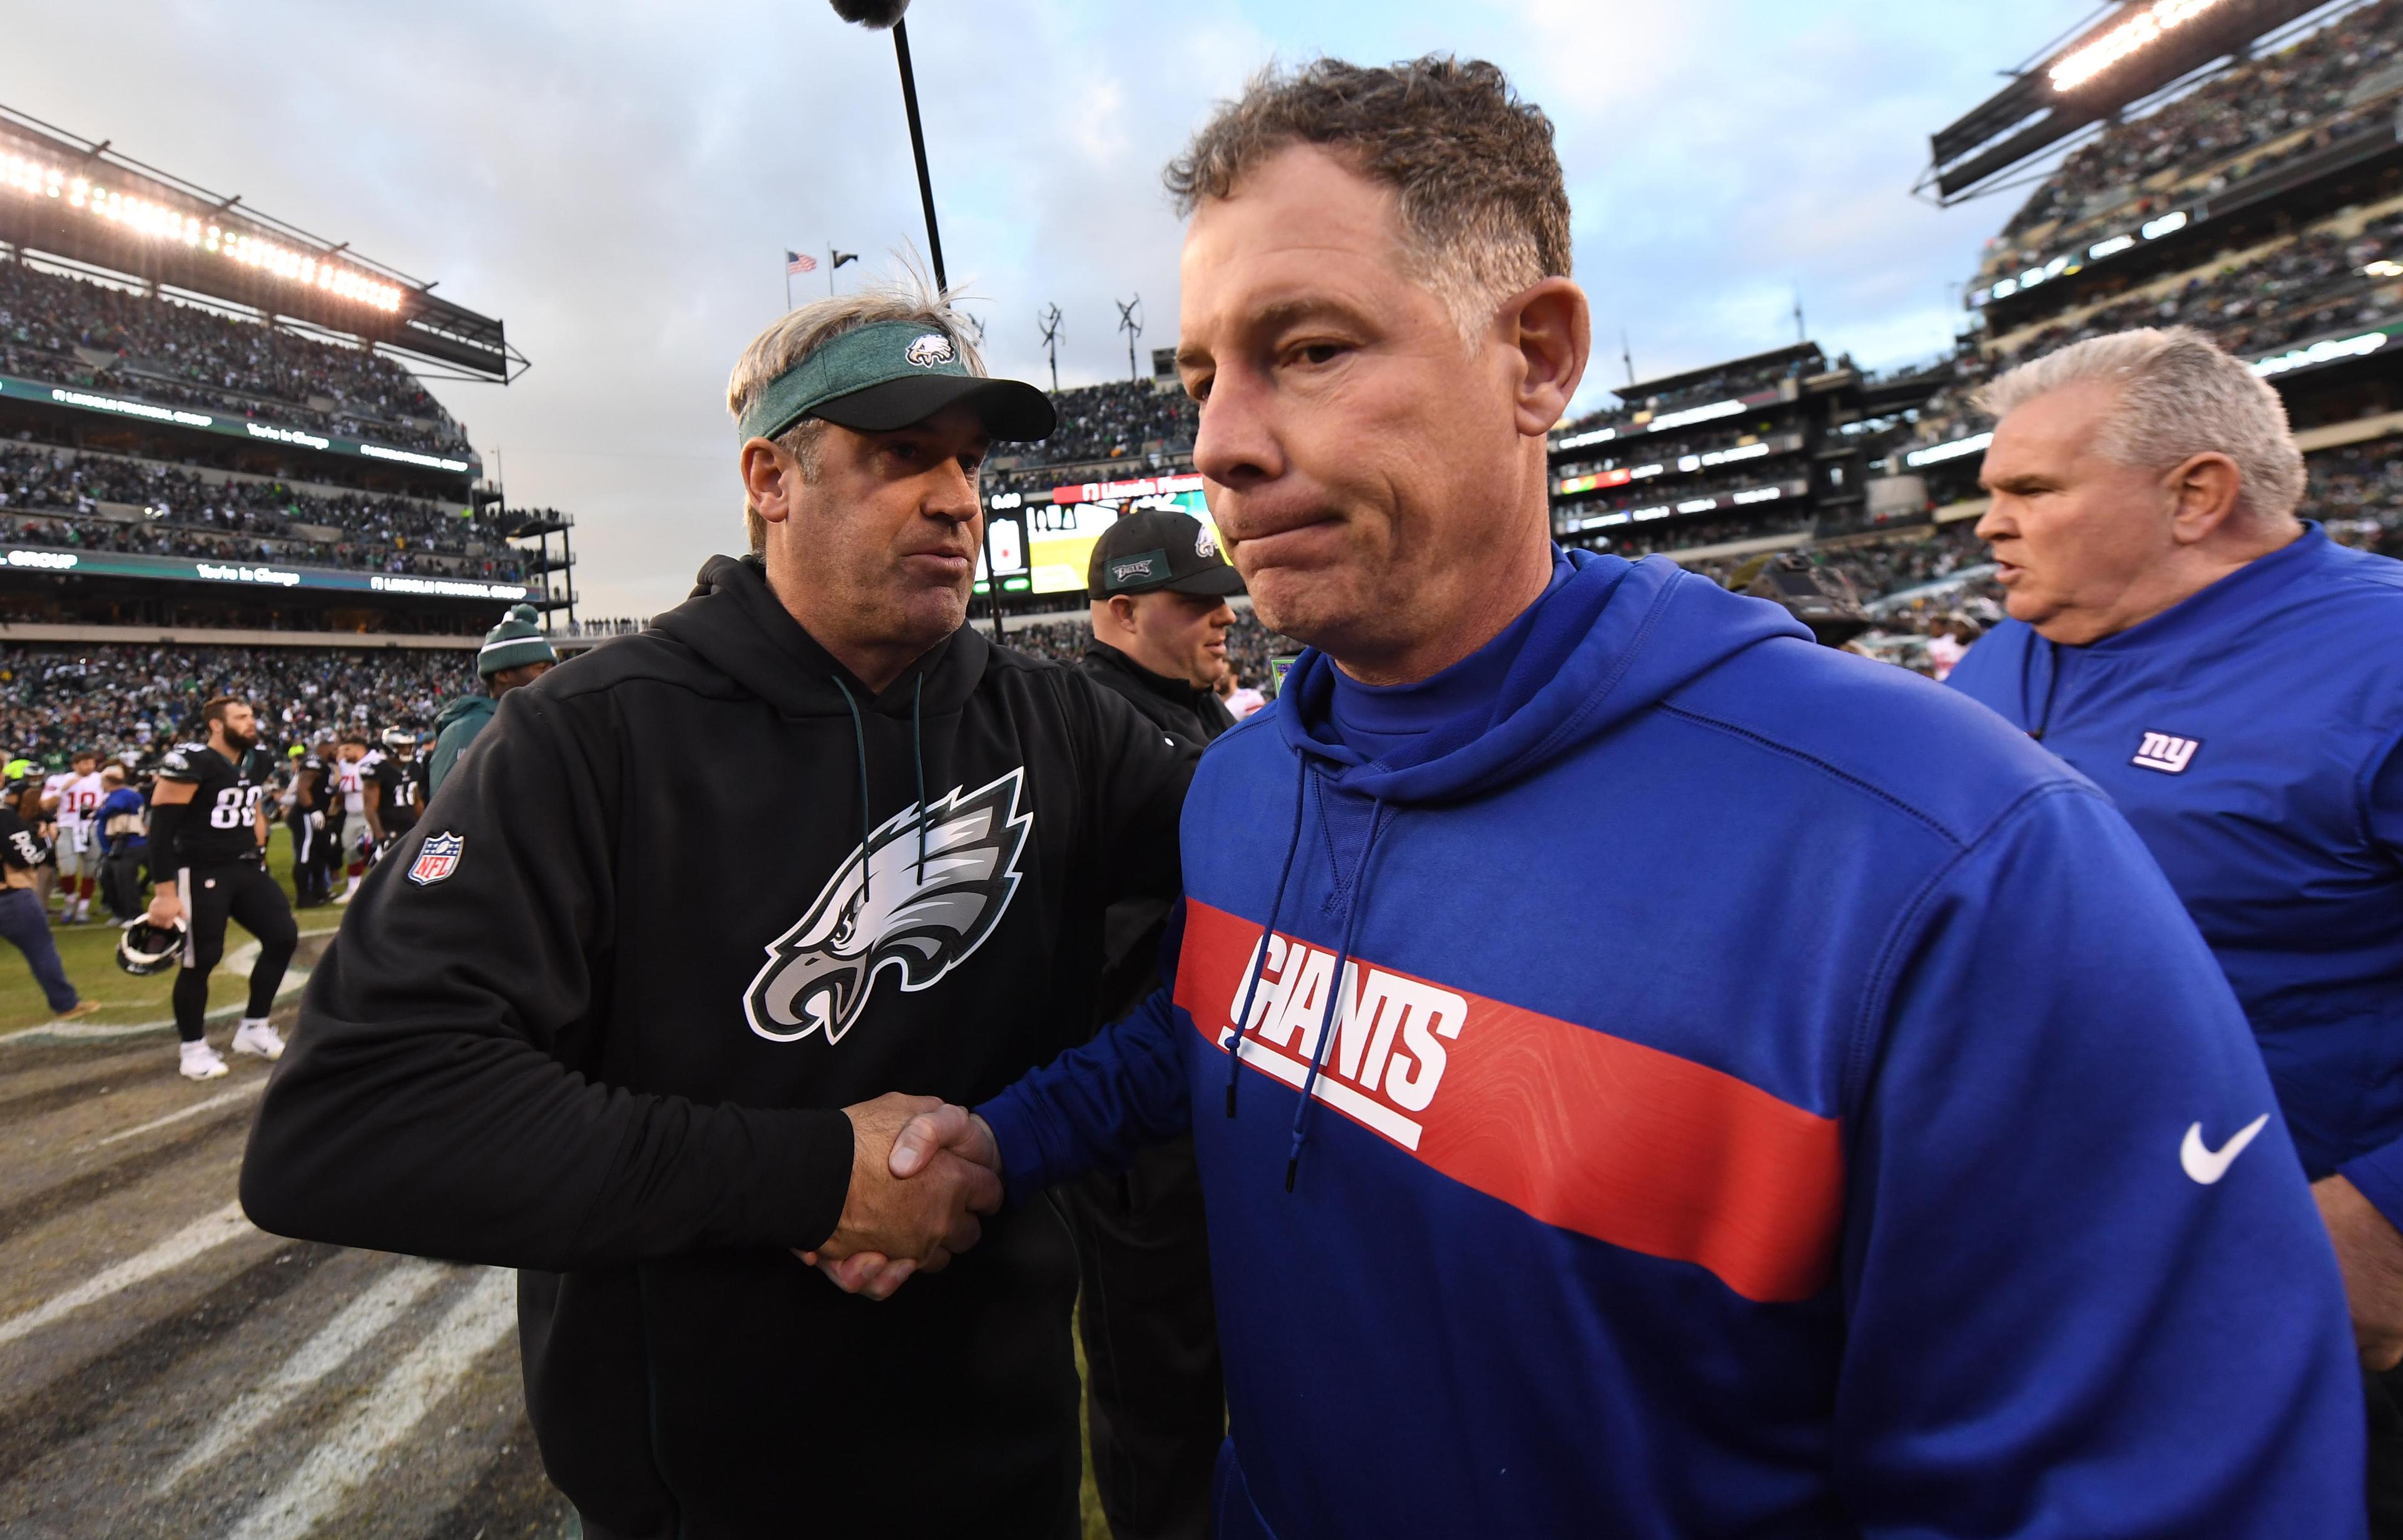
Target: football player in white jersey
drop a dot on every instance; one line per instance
(77, 851)
(54, 790)
(354, 763)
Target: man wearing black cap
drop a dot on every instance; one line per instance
(695, 899)
(1160, 587)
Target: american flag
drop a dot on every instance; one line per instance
(796, 262)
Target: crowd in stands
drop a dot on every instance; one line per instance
(2356, 491)
(1665, 449)
(623, 625)
(2310, 286)
(51, 497)
(1124, 419)
(2299, 88)
(55, 698)
(182, 355)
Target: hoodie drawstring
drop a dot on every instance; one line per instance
(867, 834)
(1338, 993)
(918, 758)
(1260, 951)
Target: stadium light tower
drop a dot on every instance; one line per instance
(1049, 320)
(887, 13)
(1130, 323)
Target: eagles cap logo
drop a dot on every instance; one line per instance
(885, 908)
(1205, 542)
(930, 350)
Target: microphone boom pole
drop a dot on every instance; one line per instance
(887, 13)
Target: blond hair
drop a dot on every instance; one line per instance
(801, 332)
(2179, 397)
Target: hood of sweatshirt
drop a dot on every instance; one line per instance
(1614, 639)
(736, 627)
(463, 708)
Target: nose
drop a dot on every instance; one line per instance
(952, 498)
(1236, 445)
(1992, 525)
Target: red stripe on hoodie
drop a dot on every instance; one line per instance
(1571, 1126)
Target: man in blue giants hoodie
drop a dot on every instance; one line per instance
(2234, 681)
(1651, 1076)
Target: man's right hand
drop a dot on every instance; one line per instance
(908, 1208)
(165, 907)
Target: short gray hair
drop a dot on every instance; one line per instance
(1484, 208)
(801, 332)
(2179, 397)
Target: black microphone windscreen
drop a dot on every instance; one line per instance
(871, 13)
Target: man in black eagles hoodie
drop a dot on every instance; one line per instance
(617, 1010)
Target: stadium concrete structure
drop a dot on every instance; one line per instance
(215, 429)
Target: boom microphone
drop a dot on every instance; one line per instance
(878, 14)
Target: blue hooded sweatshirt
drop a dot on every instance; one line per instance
(2253, 734)
(1750, 1091)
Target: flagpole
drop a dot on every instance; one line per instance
(789, 281)
(830, 265)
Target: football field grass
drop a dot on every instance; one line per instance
(90, 953)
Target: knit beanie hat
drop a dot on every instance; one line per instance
(516, 641)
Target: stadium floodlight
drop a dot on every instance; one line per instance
(1586, 440)
(2383, 268)
(2112, 247)
(156, 221)
(2168, 224)
(2138, 33)
(1693, 415)
(2327, 352)
(1760, 495)
(1974, 444)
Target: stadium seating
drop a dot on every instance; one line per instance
(114, 698)
(73, 332)
(1114, 421)
(2332, 84)
(47, 497)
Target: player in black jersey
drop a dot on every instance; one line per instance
(396, 788)
(208, 845)
(315, 830)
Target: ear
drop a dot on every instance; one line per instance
(2202, 491)
(770, 479)
(1551, 329)
(1121, 607)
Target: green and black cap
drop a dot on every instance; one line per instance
(887, 375)
(1159, 548)
(516, 641)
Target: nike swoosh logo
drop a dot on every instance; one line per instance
(2206, 1165)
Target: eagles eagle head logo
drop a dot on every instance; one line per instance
(887, 907)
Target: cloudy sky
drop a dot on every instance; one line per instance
(618, 181)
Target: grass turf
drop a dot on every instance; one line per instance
(88, 953)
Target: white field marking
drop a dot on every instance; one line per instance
(202, 1235)
(360, 1322)
(411, 1389)
(294, 978)
(224, 1098)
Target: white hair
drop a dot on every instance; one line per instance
(2179, 397)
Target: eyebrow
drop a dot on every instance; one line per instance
(1281, 315)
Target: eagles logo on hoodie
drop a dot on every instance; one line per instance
(920, 906)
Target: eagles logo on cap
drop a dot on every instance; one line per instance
(1205, 542)
(930, 350)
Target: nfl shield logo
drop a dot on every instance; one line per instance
(436, 860)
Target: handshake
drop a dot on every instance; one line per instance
(921, 1170)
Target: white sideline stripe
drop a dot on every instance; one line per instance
(335, 1342)
(200, 1235)
(413, 1387)
(223, 1097)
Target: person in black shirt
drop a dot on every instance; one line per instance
(397, 789)
(23, 919)
(208, 841)
(1155, 1397)
(312, 838)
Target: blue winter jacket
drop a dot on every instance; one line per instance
(1766, 1095)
